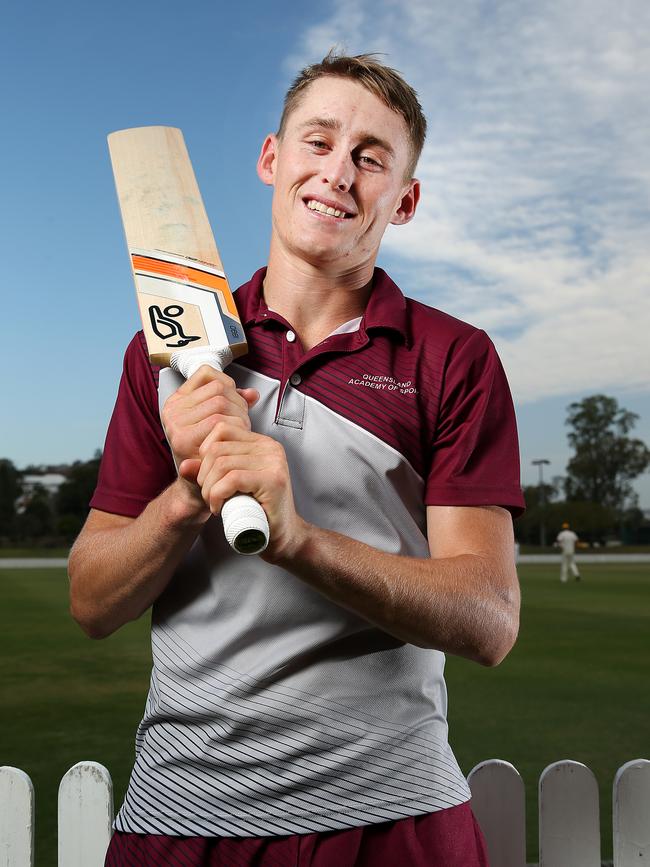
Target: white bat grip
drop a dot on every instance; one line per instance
(244, 521)
(188, 361)
(245, 524)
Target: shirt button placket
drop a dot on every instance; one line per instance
(291, 407)
(292, 352)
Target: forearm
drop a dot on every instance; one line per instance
(116, 573)
(464, 599)
(456, 604)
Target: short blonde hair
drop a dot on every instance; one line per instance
(384, 82)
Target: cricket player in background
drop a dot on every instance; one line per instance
(566, 540)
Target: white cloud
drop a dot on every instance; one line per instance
(536, 176)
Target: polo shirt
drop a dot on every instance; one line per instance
(271, 709)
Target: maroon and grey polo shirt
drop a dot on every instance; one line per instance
(272, 710)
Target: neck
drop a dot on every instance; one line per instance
(315, 299)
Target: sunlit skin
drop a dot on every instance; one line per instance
(342, 148)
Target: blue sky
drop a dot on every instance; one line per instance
(536, 186)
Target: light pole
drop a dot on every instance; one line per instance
(541, 463)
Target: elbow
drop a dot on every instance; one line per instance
(500, 641)
(93, 626)
(500, 623)
(85, 615)
(493, 655)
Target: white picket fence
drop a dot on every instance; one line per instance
(569, 828)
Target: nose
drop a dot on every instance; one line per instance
(338, 172)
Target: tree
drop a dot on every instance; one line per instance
(10, 490)
(73, 496)
(606, 459)
(593, 522)
(540, 505)
(36, 522)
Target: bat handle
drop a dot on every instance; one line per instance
(245, 524)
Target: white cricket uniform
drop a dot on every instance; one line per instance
(567, 539)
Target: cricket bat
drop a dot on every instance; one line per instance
(187, 309)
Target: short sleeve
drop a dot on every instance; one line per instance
(136, 464)
(475, 453)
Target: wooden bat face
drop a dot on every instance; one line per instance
(183, 294)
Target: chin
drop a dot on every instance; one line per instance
(318, 254)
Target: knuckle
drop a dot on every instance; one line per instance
(220, 430)
(278, 450)
(219, 404)
(222, 384)
(175, 440)
(236, 480)
(220, 465)
(216, 388)
(228, 382)
(205, 449)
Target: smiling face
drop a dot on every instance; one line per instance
(338, 173)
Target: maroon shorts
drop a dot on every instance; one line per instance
(446, 838)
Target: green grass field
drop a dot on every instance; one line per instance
(6, 553)
(574, 687)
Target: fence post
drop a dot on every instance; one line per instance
(85, 815)
(569, 823)
(631, 800)
(499, 804)
(16, 818)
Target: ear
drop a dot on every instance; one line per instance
(267, 158)
(405, 209)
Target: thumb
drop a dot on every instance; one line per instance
(250, 395)
(189, 469)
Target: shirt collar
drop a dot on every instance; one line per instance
(386, 307)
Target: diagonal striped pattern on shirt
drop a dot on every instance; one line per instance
(237, 746)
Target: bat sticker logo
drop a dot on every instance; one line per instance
(165, 325)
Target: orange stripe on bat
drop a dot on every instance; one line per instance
(187, 275)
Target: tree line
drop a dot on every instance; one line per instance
(33, 516)
(595, 496)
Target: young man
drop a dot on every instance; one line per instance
(566, 540)
(297, 709)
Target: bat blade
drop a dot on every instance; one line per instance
(188, 312)
(183, 293)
